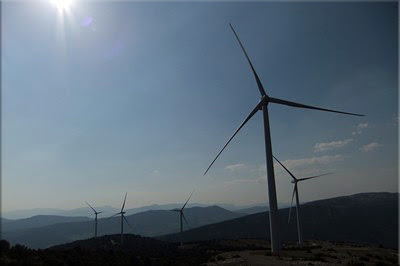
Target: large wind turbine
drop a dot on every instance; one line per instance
(263, 105)
(122, 219)
(95, 219)
(182, 216)
(296, 191)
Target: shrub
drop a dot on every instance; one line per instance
(4, 245)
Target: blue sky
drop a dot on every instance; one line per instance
(139, 97)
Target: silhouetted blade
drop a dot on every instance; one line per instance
(126, 220)
(285, 168)
(299, 105)
(99, 212)
(291, 202)
(175, 210)
(234, 134)
(260, 86)
(187, 200)
(184, 218)
(114, 215)
(301, 179)
(91, 207)
(123, 205)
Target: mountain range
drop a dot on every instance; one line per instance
(149, 223)
(108, 210)
(366, 218)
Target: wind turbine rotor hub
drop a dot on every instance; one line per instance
(264, 101)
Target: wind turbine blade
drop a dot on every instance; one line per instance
(259, 84)
(187, 200)
(123, 205)
(114, 215)
(301, 179)
(184, 218)
(175, 210)
(99, 212)
(291, 202)
(234, 134)
(285, 168)
(91, 207)
(299, 105)
(126, 220)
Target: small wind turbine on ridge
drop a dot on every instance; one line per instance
(122, 213)
(296, 191)
(182, 216)
(95, 219)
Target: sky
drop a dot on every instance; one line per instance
(106, 98)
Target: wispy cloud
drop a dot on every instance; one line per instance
(331, 145)
(259, 180)
(359, 128)
(234, 167)
(156, 172)
(313, 160)
(370, 147)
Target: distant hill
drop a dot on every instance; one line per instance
(255, 209)
(83, 211)
(366, 217)
(38, 221)
(107, 210)
(149, 223)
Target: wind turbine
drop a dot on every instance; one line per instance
(122, 219)
(182, 216)
(296, 191)
(95, 219)
(263, 105)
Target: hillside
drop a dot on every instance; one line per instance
(149, 223)
(366, 217)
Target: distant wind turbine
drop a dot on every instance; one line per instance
(122, 219)
(296, 191)
(95, 219)
(263, 105)
(182, 216)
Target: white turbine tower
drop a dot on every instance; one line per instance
(182, 216)
(122, 213)
(296, 191)
(95, 219)
(263, 105)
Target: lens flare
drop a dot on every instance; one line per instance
(62, 5)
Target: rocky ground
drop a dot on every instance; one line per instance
(311, 253)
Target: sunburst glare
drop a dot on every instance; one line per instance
(62, 5)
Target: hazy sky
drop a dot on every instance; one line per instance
(139, 97)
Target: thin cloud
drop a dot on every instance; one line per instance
(258, 180)
(370, 147)
(362, 125)
(310, 161)
(331, 145)
(234, 167)
(359, 129)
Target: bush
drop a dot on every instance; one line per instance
(4, 246)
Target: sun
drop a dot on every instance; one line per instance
(62, 5)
